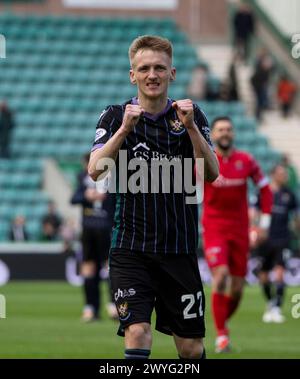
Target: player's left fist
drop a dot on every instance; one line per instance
(257, 236)
(185, 112)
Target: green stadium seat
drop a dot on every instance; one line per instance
(34, 229)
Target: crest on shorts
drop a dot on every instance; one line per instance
(123, 311)
(177, 127)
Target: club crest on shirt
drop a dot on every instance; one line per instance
(177, 127)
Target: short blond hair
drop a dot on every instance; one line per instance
(148, 42)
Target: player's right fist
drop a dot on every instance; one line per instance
(131, 116)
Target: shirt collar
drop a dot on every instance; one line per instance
(154, 117)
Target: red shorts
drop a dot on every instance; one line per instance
(223, 247)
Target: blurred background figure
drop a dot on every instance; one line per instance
(68, 233)
(243, 28)
(274, 252)
(6, 127)
(97, 218)
(48, 123)
(293, 180)
(68, 230)
(232, 79)
(51, 223)
(260, 81)
(225, 225)
(198, 87)
(286, 91)
(229, 85)
(17, 230)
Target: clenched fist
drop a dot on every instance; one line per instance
(131, 117)
(185, 112)
(257, 236)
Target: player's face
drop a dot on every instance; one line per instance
(222, 134)
(152, 72)
(280, 176)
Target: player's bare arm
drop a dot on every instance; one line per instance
(111, 148)
(185, 112)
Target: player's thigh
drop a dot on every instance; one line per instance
(102, 245)
(215, 248)
(132, 286)
(281, 254)
(279, 271)
(236, 286)
(180, 302)
(89, 264)
(220, 278)
(265, 254)
(238, 255)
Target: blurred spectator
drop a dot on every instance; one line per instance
(68, 230)
(292, 182)
(51, 223)
(199, 85)
(286, 91)
(68, 233)
(243, 26)
(17, 230)
(213, 89)
(6, 127)
(232, 80)
(274, 251)
(260, 80)
(97, 220)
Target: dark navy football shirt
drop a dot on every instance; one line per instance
(153, 222)
(284, 205)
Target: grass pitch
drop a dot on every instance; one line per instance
(43, 321)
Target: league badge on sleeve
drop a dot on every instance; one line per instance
(99, 133)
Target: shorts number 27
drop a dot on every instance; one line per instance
(191, 301)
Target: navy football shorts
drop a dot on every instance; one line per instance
(169, 283)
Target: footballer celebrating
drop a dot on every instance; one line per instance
(153, 262)
(225, 225)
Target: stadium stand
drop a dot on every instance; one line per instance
(59, 74)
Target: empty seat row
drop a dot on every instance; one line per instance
(27, 21)
(14, 196)
(64, 149)
(20, 180)
(23, 166)
(39, 134)
(65, 76)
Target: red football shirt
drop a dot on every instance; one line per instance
(225, 200)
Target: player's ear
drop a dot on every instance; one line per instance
(132, 76)
(173, 74)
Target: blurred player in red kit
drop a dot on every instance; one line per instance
(226, 226)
